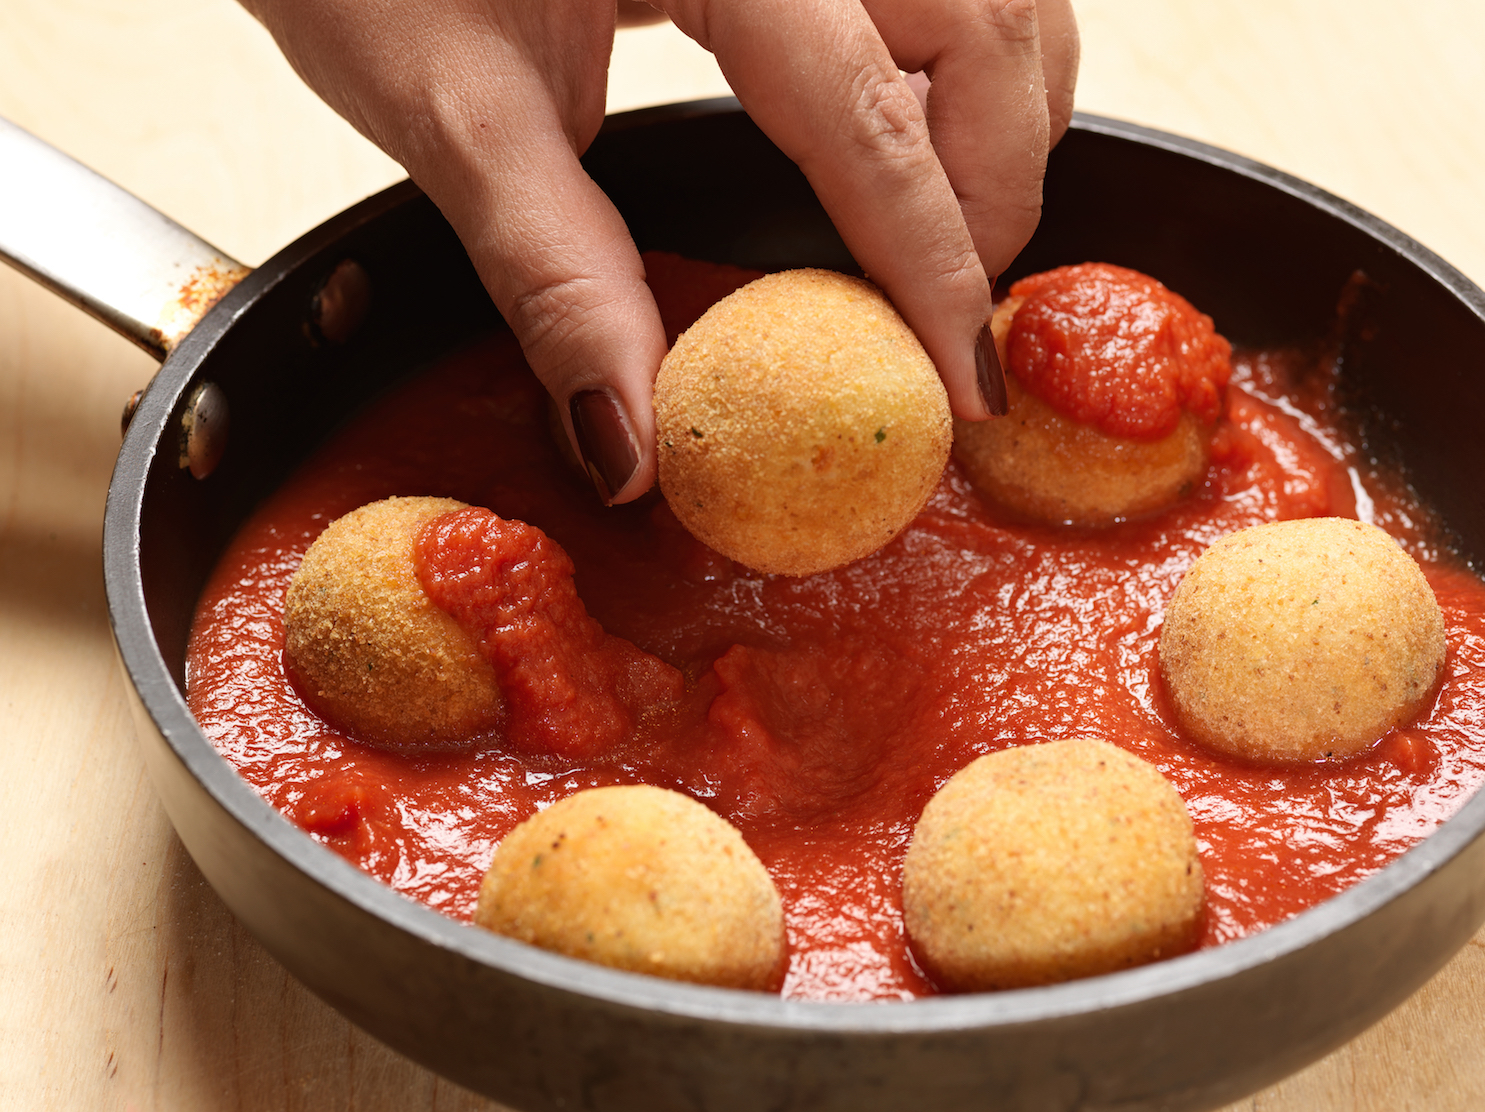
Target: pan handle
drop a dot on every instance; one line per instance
(102, 248)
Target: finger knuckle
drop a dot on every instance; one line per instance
(887, 118)
(1012, 21)
(1011, 217)
(960, 270)
(549, 317)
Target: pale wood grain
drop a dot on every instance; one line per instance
(1378, 103)
(124, 983)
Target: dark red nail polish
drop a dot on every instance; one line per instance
(605, 440)
(990, 374)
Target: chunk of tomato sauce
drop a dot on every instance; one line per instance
(820, 714)
(1111, 347)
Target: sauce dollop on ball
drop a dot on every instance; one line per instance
(370, 651)
(1111, 347)
(1115, 384)
(423, 624)
(801, 424)
(1301, 640)
(570, 688)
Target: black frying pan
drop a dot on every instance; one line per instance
(1264, 254)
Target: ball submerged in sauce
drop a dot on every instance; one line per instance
(1049, 862)
(1301, 640)
(818, 716)
(638, 878)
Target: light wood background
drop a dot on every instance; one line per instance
(124, 984)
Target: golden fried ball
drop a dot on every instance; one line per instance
(369, 650)
(1301, 641)
(801, 423)
(1049, 862)
(1050, 468)
(639, 878)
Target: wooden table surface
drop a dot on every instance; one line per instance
(124, 983)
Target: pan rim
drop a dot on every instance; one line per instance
(147, 671)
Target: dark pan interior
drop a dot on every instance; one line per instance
(1265, 255)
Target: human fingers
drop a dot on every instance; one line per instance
(488, 106)
(817, 78)
(987, 106)
(637, 13)
(560, 265)
(1061, 51)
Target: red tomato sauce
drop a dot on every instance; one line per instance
(1112, 347)
(818, 715)
(570, 689)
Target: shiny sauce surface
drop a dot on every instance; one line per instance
(819, 715)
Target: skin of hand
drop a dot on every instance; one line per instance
(488, 104)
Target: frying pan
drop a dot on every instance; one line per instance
(282, 358)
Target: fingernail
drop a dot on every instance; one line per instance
(990, 374)
(609, 450)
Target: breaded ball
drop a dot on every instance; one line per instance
(639, 878)
(368, 649)
(1050, 468)
(1049, 862)
(801, 423)
(1301, 641)
(1115, 385)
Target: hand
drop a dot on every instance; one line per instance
(489, 103)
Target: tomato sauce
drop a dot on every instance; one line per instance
(569, 688)
(819, 714)
(1112, 347)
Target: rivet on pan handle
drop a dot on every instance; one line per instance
(102, 248)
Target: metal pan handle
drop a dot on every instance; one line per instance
(102, 248)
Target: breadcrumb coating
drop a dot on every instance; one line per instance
(801, 423)
(1049, 862)
(639, 878)
(1301, 641)
(367, 648)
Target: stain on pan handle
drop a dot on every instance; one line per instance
(103, 249)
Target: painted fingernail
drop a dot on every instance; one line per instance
(990, 374)
(610, 452)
